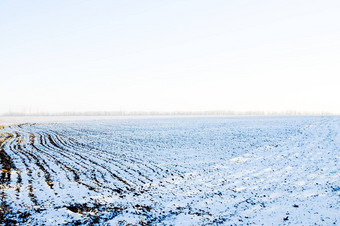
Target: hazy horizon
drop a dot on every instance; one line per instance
(169, 113)
(174, 56)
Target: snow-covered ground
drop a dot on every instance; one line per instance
(182, 171)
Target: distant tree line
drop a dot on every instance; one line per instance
(159, 113)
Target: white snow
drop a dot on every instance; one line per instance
(176, 171)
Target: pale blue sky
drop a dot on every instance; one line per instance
(170, 55)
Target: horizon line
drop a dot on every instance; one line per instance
(169, 113)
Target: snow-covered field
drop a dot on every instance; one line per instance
(182, 171)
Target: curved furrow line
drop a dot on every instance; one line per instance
(61, 153)
(60, 165)
(56, 140)
(40, 163)
(60, 162)
(99, 155)
(130, 162)
(141, 166)
(40, 145)
(13, 147)
(94, 177)
(26, 149)
(120, 156)
(25, 124)
(79, 156)
(32, 140)
(6, 162)
(154, 167)
(136, 160)
(7, 166)
(65, 168)
(19, 182)
(68, 154)
(50, 142)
